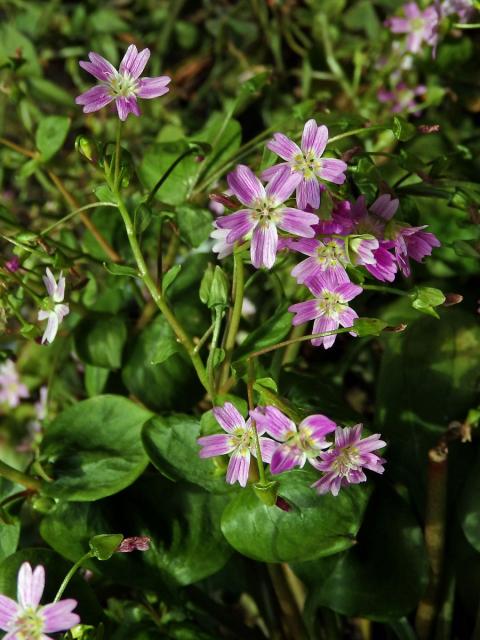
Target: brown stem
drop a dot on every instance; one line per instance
(291, 616)
(434, 537)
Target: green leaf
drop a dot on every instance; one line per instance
(170, 276)
(99, 340)
(157, 369)
(224, 146)
(214, 289)
(426, 298)
(120, 270)
(95, 379)
(51, 134)
(469, 508)
(93, 449)
(384, 575)
(171, 445)
(105, 545)
(403, 130)
(427, 379)
(268, 333)
(316, 526)
(157, 160)
(369, 326)
(195, 223)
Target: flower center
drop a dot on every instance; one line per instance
(331, 304)
(417, 24)
(29, 625)
(122, 84)
(307, 164)
(346, 461)
(265, 211)
(242, 439)
(331, 254)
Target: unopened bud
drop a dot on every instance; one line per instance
(397, 329)
(282, 504)
(220, 198)
(428, 128)
(452, 299)
(87, 148)
(135, 543)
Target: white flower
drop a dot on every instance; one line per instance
(11, 389)
(56, 311)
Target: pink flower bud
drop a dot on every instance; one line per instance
(135, 543)
(13, 264)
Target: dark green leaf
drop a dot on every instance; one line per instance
(93, 449)
(104, 545)
(316, 526)
(195, 223)
(268, 333)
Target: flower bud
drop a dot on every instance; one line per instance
(13, 264)
(87, 147)
(135, 543)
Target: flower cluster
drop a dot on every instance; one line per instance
(26, 619)
(356, 235)
(284, 446)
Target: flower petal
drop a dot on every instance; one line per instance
(267, 448)
(98, 67)
(320, 425)
(286, 457)
(348, 290)
(322, 325)
(274, 422)
(215, 445)
(245, 185)
(263, 250)
(385, 206)
(298, 222)
(94, 99)
(270, 172)
(282, 185)
(240, 224)
(332, 170)
(153, 87)
(305, 311)
(126, 105)
(228, 417)
(30, 585)
(59, 617)
(51, 328)
(284, 147)
(134, 62)
(238, 468)
(8, 612)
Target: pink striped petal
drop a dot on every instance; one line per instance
(322, 325)
(332, 170)
(282, 185)
(240, 224)
(228, 417)
(320, 424)
(298, 222)
(268, 174)
(274, 422)
(286, 457)
(267, 449)
(127, 105)
(215, 445)
(308, 193)
(385, 206)
(30, 585)
(153, 87)
(245, 185)
(8, 612)
(263, 250)
(98, 67)
(314, 138)
(59, 617)
(347, 318)
(94, 99)
(134, 62)
(348, 290)
(284, 147)
(305, 311)
(238, 468)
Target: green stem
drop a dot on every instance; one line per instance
(116, 175)
(234, 323)
(92, 205)
(18, 477)
(286, 343)
(251, 406)
(204, 338)
(332, 62)
(355, 132)
(213, 346)
(158, 298)
(379, 287)
(70, 575)
(459, 25)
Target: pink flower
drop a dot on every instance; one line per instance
(343, 464)
(403, 97)
(54, 310)
(297, 444)
(264, 213)
(415, 243)
(239, 441)
(26, 620)
(327, 256)
(306, 163)
(420, 26)
(124, 86)
(329, 309)
(13, 264)
(11, 389)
